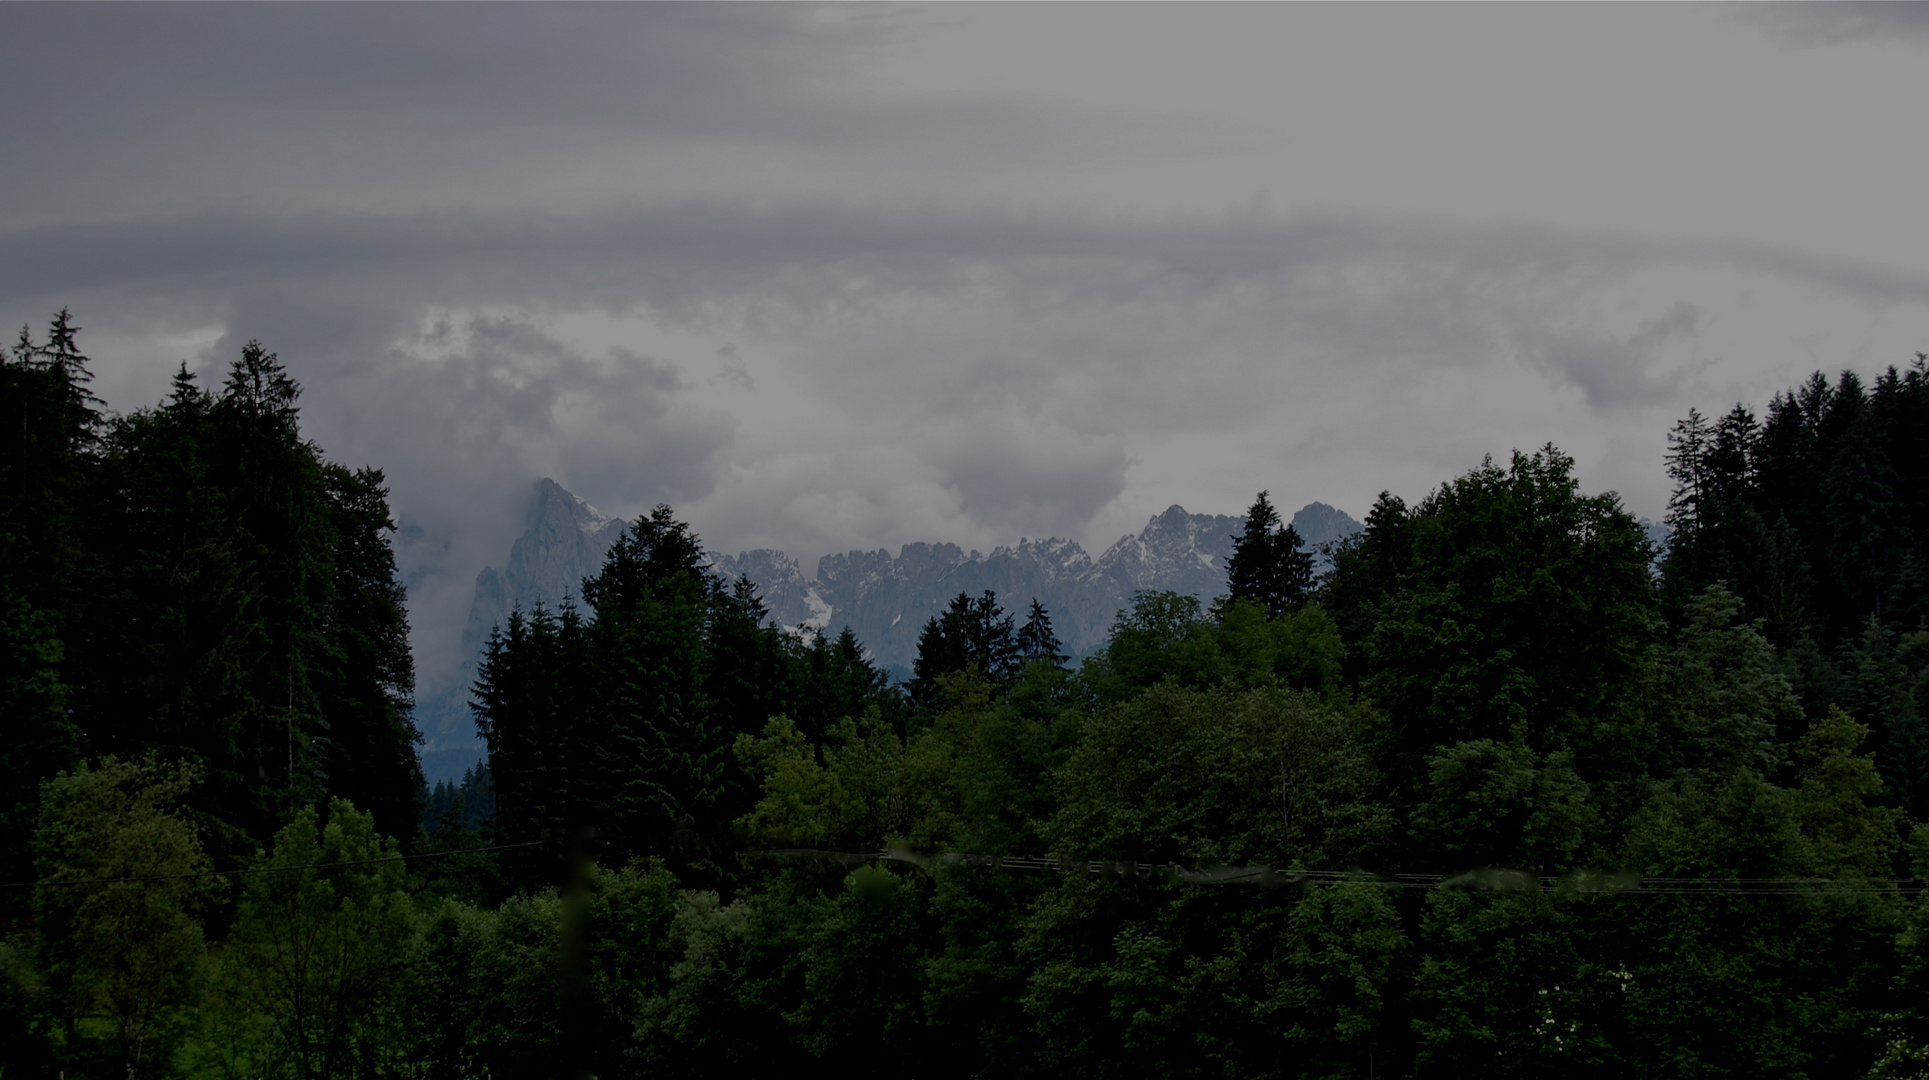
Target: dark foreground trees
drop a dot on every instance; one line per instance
(610, 730)
(197, 581)
(1493, 798)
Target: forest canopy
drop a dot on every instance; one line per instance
(1507, 789)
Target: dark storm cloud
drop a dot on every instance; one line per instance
(1833, 23)
(706, 257)
(1026, 476)
(168, 108)
(128, 71)
(1613, 373)
(499, 63)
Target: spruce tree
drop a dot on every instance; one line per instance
(1269, 565)
(665, 758)
(532, 703)
(367, 674)
(747, 678)
(50, 426)
(836, 681)
(973, 634)
(1036, 642)
(246, 612)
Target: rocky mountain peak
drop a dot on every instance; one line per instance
(884, 599)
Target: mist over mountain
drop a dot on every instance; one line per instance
(884, 599)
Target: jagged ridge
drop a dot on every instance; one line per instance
(885, 600)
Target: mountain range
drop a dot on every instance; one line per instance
(884, 599)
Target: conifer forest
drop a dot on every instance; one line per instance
(1510, 790)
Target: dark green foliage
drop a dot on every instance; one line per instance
(120, 957)
(367, 676)
(252, 620)
(973, 635)
(661, 750)
(1168, 639)
(1269, 565)
(615, 732)
(1815, 521)
(532, 705)
(1519, 611)
(1491, 685)
(1369, 568)
(1268, 776)
(196, 580)
(1036, 641)
(467, 804)
(835, 680)
(40, 740)
(49, 428)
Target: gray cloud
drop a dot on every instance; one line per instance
(829, 277)
(1017, 475)
(1613, 373)
(172, 109)
(778, 267)
(1834, 23)
(463, 413)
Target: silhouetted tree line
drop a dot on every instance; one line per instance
(1502, 685)
(1815, 517)
(194, 580)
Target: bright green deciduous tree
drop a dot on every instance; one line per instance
(318, 948)
(125, 951)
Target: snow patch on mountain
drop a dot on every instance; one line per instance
(884, 599)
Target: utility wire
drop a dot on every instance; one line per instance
(262, 869)
(1266, 876)
(1495, 881)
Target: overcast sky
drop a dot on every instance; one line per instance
(835, 277)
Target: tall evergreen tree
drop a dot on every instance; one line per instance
(532, 703)
(1037, 642)
(838, 681)
(49, 442)
(665, 758)
(973, 634)
(747, 679)
(244, 612)
(367, 671)
(1269, 564)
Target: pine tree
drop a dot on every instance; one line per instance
(532, 703)
(367, 674)
(665, 758)
(49, 445)
(837, 681)
(747, 678)
(246, 612)
(1687, 459)
(973, 635)
(1036, 642)
(1269, 565)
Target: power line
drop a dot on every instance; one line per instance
(1262, 876)
(1268, 877)
(262, 869)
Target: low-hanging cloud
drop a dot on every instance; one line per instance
(1613, 373)
(463, 412)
